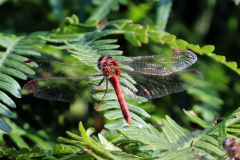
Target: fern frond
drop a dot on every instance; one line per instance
(228, 128)
(98, 148)
(230, 123)
(208, 51)
(16, 48)
(174, 142)
(21, 136)
(137, 34)
(174, 138)
(63, 151)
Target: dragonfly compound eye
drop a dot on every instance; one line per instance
(101, 61)
(106, 63)
(115, 63)
(110, 58)
(118, 71)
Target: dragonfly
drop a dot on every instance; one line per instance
(150, 77)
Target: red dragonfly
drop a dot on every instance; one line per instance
(146, 76)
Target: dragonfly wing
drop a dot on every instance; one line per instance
(58, 80)
(162, 65)
(46, 69)
(62, 89)
(155, 86)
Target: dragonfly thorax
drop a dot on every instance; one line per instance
(109, 66)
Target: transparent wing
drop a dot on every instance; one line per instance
(62, 89)
(163, 64)
(156, 76)
(61, 81)
(155, 86)
(46, 69)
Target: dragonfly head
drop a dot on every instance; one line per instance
(104, 61)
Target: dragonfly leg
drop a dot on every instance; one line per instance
(106, 90)
(98, 84)
(97, 75)
(103, 95)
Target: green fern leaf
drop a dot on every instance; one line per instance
(221, 129)
(116, 114)
(207, 49)
(17, 136)
(176, 154)
(108, 145)
(115, 104)
(11, 66)
(4, 126)
(174, 139)
(192, 116)
(61, 150)
(137, 34)
(173, 143)
(97, 148)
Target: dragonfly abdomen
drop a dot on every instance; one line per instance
(123, 104)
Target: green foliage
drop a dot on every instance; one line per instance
(170, 40)
(19, 135)
(163, 10)
(63, 151)
(172, 142)
(57, 8)
(16, 48)
(86, 42)
(104, 8)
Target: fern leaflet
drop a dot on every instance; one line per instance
(16, 48)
